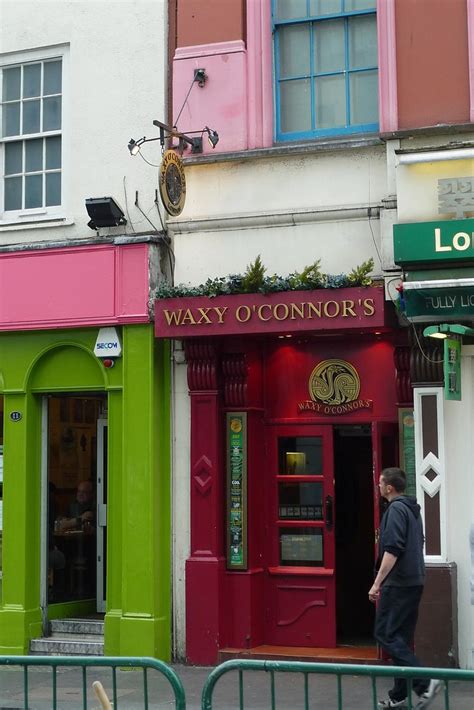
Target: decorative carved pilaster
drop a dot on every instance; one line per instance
(234, 370)
(401, 356)
(202, 359)
(426, 358)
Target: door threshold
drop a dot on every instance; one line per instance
(367, 655)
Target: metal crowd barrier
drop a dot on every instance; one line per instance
(107, 698)
(447, 676)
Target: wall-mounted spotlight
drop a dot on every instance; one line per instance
(167, 132)
(104, 212)
(212, 137)
(446, 330)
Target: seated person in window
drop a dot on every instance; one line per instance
(81, 512)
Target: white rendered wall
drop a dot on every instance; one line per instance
(114, 88)
(459, 426)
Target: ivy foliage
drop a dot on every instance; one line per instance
(254, 280)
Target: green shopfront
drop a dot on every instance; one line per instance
(76, 423)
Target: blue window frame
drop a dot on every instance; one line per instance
(326, 75)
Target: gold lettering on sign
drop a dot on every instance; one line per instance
(314, 308)
(285, 311)
(260, 312)
(221, 312)
(204, 317)
(188, 317)
(299, 308)
(369, 306)
(246, 317)
(326, 308)
(173, 317)
(348, 309)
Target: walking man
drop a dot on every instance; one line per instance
(398, 587)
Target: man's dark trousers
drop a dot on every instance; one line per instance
(395, 622)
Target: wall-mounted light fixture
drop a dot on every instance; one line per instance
(447, 330)
(167, 132)
(104, 212)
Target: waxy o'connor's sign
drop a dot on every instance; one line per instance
(295, 311)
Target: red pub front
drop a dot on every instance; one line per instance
(294, 411)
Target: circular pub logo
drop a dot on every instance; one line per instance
(334, 382)
(172, 183)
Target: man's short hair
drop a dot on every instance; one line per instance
(395, 477)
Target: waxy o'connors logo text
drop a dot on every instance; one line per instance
(334, 388)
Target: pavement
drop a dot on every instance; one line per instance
(357, 692)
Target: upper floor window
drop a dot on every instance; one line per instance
(31, 134)
(325, 67)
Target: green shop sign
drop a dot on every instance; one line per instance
(424, 304)
(434, 242)
(236, 490)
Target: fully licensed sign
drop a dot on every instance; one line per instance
(295, 311)
(434, 242)
(439, 304)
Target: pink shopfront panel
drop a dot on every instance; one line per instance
(74, 286)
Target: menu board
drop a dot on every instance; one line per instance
(301, 549)
(236, 446)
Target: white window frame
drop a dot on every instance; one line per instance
(56, 213)
(437, 463)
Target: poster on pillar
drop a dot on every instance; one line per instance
(236, 444)
(452, 369)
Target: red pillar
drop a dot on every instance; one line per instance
(205, 566)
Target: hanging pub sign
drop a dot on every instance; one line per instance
(334, 388)
(236, 445)
(172, 183)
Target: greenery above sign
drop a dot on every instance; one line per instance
(434, 242)
(255, 281)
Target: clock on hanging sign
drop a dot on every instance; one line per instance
(172, 183)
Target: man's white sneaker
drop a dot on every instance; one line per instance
(429, 695)
(389, 703)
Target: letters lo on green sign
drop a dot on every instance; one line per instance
(452, 368)
(434, 242)
(236, 444)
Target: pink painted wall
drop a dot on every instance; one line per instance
(221, 103)
(74, 286)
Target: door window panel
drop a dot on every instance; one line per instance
(300, 501)
(301, 547)
(300, 456)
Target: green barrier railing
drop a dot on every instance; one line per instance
(147, 666)
(447, 676)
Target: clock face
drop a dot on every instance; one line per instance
(172, 183)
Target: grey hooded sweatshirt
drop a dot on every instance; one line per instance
(401, 533)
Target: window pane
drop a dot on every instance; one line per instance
(300, 501)
(301, 547)
(11, 119)
(324, 7)
(350, 5)
(300, 456)
(11, 83)
(52, 78)
(13, 193)
(294, 50)
(330, 98)
(52, 113)
(33, 191)
(33, 155)
(362, 42)
(329, 51)
(53, 152)
(364, 97)
(288, 9)
(31, 117)
(53, 189)
(31, 80)
(13, 158)
(295, 105)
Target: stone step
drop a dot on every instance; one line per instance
(77, 626)
(67, 636)
(63, 647)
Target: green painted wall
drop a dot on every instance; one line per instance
(137, 621)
